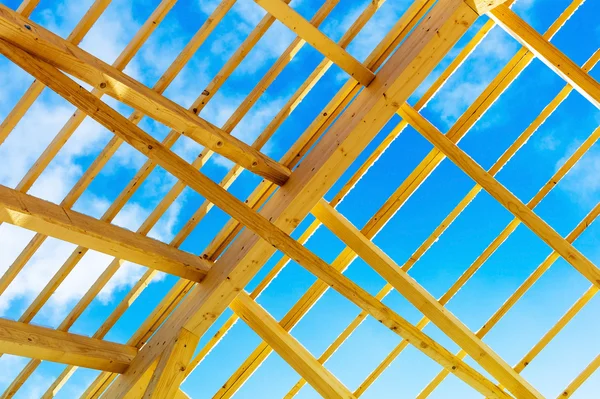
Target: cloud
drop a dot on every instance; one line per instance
(582, 182)
(548, 143)
(473, 76)
(29, 139)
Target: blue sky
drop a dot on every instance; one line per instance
(474, 229)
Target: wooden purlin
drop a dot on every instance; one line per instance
(71, 59)
(93, 170)
(335, 53)
(27, 340)
(181, 288)
(404, 191)
(269, 77)
(546, 52)
(289, 348)
(544, 231)
(377, 57)
(44, 217)
(318, 171)
(580, 378)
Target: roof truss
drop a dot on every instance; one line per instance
(159, 357)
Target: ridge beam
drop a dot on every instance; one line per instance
(53, 220)
(292, 351)
(507, 199)
(546, 52)
(28, 340)
(321, 42)
(74, 61)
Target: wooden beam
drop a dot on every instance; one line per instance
(544, 231)
(581, 378)
(42, 343)
(338, 148)
(49, 47)
(272, 234)
(292, 351)
(547, 53)
(170, 370)
(423, 301)
(44, 217)
(483, 6)
(312, 35)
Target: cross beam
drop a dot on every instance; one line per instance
(44, 217)
(58, 52)
(42, 343)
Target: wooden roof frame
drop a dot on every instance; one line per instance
(159, 357)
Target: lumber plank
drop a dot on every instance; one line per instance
(544, 231)
(49, 47)
(296, 355)
(422, 300)
(312, 35)
(44, 217)
(546, 52)
(42, 343)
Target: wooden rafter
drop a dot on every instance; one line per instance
(46, 218)
(290, 18)
(165, 359)
(56, 346)
(547, 53)
(71, 59)
(422, 300)
(398, 78)
(502, 195)
(288, 348)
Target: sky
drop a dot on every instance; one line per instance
(549, 147)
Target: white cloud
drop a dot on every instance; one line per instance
(467, 83)
(548, 143)
(32, 135)
(582, 182)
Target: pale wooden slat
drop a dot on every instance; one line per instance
(502, 195)
(581, 378)
(423, 301)
(53, 220)
(547, 53)
(71, 59)
(288, 348)
(290, 18)
(27, 340)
